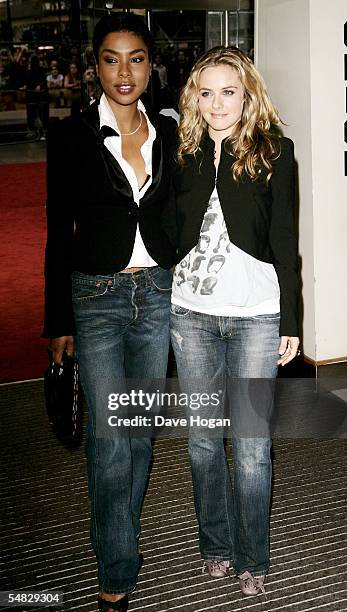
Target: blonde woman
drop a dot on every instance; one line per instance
(234, 313)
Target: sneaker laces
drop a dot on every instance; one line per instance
(253, 582)
(215, 564)
(260, 584)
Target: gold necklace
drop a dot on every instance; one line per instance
(137, 129)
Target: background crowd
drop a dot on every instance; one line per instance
(65, 77)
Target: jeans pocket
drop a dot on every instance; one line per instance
(179, 311)
(86, 287)
(161, 279)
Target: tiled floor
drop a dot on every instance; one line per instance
(45, 514)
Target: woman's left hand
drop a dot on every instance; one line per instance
(288, 349)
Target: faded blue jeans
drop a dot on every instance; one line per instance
(231, 354)
(122, 332)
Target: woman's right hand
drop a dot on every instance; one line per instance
(59, 345)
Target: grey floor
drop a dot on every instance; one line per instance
(23, 153)
(22, 147)
(45, 515)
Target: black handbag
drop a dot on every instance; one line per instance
(64, 401)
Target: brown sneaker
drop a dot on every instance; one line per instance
(216, 569)
(251, 585)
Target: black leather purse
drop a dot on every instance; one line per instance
(64, 401)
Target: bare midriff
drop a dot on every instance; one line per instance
(130, 270)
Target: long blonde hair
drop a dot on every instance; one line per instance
(252, 143)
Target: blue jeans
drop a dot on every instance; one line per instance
(122, 332)
(228, 352)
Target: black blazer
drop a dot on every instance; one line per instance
(91, 214)
(259, 218)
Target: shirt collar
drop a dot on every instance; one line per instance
(108, 118)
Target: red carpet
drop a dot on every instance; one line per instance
(22, 228)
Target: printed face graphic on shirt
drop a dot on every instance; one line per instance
(209, 219)
(197, 262)
(215, 263)
(203, 244)
(194, 282)
(181, 278)
(185, 263)
(207, 285)
(199, 271)
(223, 238)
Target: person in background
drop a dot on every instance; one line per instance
(108, 278)
(89, 89)
(75, 56)
(42, 55)
(54, 79)
(37, 101)
(88, 58)
(55, 83)
(72, 78)
(161, 69)
(178, 72)
(54, 64)
(8, 81)
(72, 86)
(234, 312)
(162, 72)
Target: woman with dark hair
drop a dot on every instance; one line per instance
(72, 88)
(235, 298)
(108, 279)
(72, 78)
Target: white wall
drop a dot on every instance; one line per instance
(300, 52)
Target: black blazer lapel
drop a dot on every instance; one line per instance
(157, 168)
(113, 170)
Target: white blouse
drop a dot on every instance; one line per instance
(140, 258)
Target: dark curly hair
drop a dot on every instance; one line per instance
(121, 22)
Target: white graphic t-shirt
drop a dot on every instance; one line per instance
(217, 277)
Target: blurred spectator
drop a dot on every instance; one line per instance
(151, 97)
(42, 55)
(72, 86)
(72, 79)
(22, 66)
(7, 80)
(13, 70)
(54, 63)
(37, 102)
(178, 73)
(74, 56)
(161, 69)
(5, 59)
(88, 58)
(54, 79)
(55, 84)
(89, 89)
